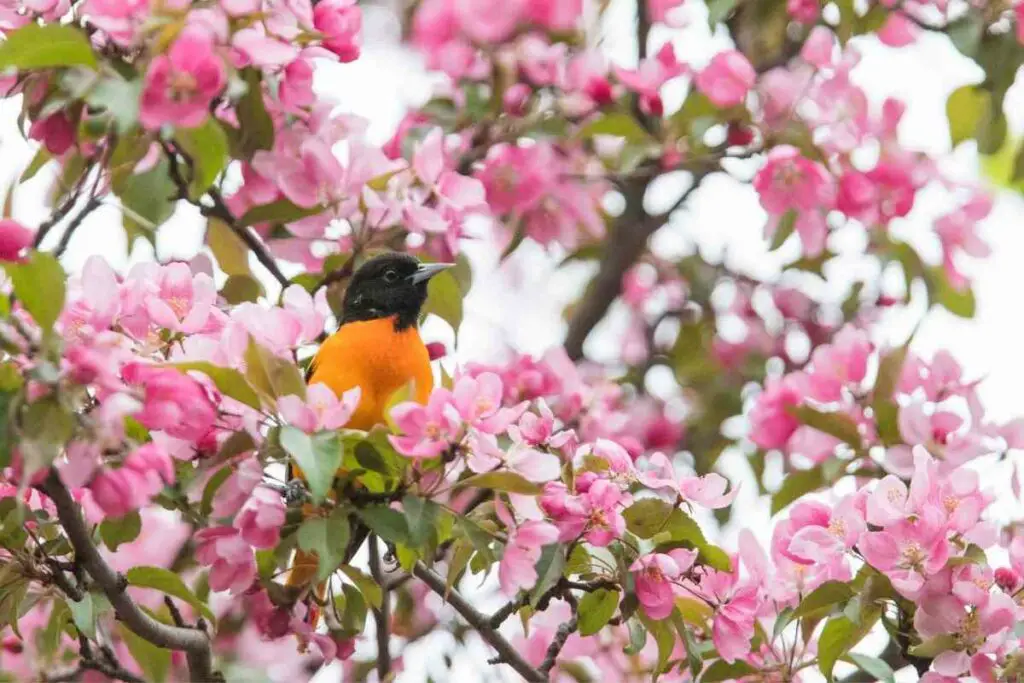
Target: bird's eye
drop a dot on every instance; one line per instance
(390, 276)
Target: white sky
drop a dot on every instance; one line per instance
(385, 81)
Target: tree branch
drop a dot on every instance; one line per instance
(625, 246)
(90, 206)
(195, 643)
(480, 622)
(220, 211)
(383, 615)
(561, 635)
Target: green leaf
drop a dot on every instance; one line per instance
(50, 637)
(958, 302)
(117, 530)
(318, 456)
(647, 516)
(796, 484)
(478, 536)
(42, 158)
(827, 594)
(255, 125)
(239, 288)
(120, 98)
(444, 299)
(271, 375)
(462, 551)
(596, 609)
(328, 538)
(229, 382)
(46, 427)
(683, 529)
(281, 211)
(148, 199)
(84, 613)
(367, 586)
(785, 228)
(388, 523)
(510, 482)
(549, 570)
(42, 47)
(228, 248)
(207, 146)
(353, 618)
(836, 639)
(839, 425)
(369, 458)
(618, 124)
(966, 108)
(39, 284)
(154, 661)
(934, 646)
(212, 485)
(170, 583)
(421, 518)
(874, 666)
(637, 638)
(719, 10)
(1005, 167)
(889, 369)
(722, 670)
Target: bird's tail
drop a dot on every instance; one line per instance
(302, 572)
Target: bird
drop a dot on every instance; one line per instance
(377, 347)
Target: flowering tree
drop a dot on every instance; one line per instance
(145, 519)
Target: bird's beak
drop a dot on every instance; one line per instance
(427, 271)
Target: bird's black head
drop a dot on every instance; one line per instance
(392, 284)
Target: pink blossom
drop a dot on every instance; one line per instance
(478, 402)
(229, 556)
(516, 570)
(426, 431)
(898, 30)
(804, 11)
(321, 410)
(183, 301)
(973, 583)
(235, 490)
(771, 423)
(727, 79)
(261, 518)
(555, 15)
(601, 507)
(114, 491)
(790, 182)
(840, 364)
(119, 19)
(173, 402)
(733, 624)
(661, 10)
(181, 84)
(480, 22)
(341, 23)
(820, 535)
(56, 132)
(535, 465)
(14, 240)
(655, 574)
(907, 552)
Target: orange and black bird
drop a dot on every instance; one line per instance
(377, 348)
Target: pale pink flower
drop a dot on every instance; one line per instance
(261, 518)
(517, 567)
(790, 182)
(771, 423)
(708, 490)
(229, 556)
(479, 20)
(804, 11)
(322, 409)
(727, 79)
(181, 84)
(235, 490)
(840, 364)
(478, 401)
(601, 508)
(426, 431)
(119, 19)
(183, 301)
(662, 10)
(535, 465)
(907, 552)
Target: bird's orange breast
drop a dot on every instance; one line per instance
(379, 360)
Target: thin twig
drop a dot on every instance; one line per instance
(90, 206)
(195, 643)
(480, 622)
(383, 615)
(561, 635)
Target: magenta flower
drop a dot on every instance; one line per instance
(341, 23)
(321, 410)
(173, 402)
(771, 425)
(181, 83)
(115, 492)
(517, 568)
(14, 240)
(727, 79)
(427, 431)
(790, 181)
(230, 558)
(261, 518)
(655, 574)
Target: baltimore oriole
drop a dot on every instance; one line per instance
(377, 348)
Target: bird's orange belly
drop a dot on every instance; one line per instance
(371, 355)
